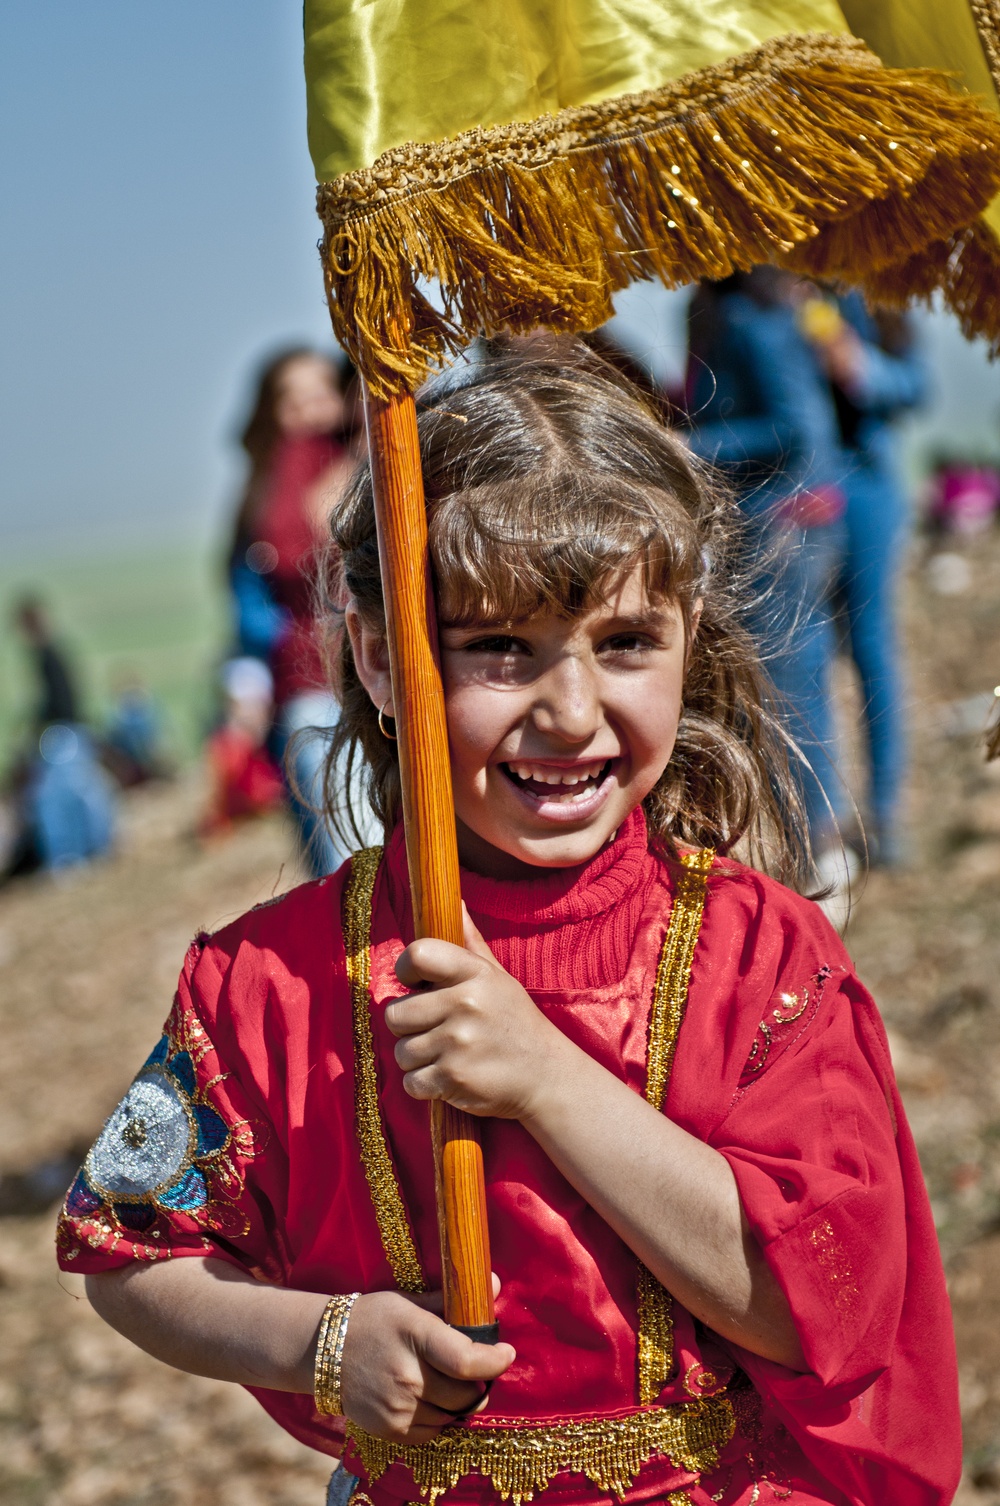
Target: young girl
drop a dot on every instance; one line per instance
(716, 1269)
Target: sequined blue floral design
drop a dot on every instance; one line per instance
(164, 1151)
(151, 1153)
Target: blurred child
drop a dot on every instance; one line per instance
(133, 735)
(245, 781)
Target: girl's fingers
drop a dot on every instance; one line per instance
(416, 1051)
(474, 942)
(424, 1084)
(452, 1354)
(416, 1013)
(427, 1414)
(449, 1395)
(430, 961)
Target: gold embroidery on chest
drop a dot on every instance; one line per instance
(656, 1323)
(521, 1457)
(390, 1211)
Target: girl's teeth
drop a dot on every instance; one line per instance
(579, 775)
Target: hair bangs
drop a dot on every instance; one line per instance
(507, 550)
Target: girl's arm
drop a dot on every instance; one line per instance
(677, 1205)
(405, 1373)
(478, 1040)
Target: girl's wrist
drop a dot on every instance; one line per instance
(558, 1082)
(329, 1355)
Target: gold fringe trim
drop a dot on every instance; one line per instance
(965, 269)
(986, 14)
(805, 151)
(390, 1211)
(523, 1457)
(673, 977)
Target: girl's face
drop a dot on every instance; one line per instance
(559, 727)
(307, 399)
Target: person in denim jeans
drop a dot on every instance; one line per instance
(761, 409)
(876, 372)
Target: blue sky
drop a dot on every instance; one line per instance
(159, 237)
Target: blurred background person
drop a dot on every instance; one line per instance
(57, 696)
(244, 778)
(64, 798)
(300, 443)
(761, 408)
(875, 373)
(133, 734)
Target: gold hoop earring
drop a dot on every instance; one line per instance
(382, 727)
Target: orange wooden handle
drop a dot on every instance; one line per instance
(429, 821)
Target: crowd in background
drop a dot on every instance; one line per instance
(791, 390)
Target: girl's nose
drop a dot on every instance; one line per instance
(568, 704)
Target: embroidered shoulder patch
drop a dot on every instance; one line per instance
(788, 1016)
(164, 1150)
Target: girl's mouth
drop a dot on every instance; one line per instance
(569, 785)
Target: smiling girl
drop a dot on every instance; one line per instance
(717, 1273)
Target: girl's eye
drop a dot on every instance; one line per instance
(627, 643)
(495, 643)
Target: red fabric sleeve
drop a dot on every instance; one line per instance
(812, 1146)
(187, 1164)
(782, 1065)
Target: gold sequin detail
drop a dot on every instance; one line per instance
(390, 1211)
(832, 1260)
(656, 1322)
(523, 1457)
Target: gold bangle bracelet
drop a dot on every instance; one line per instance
(330, 1354)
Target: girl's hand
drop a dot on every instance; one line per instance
(474, 1037)
(405, 1374)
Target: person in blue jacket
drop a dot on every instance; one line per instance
(761, 408)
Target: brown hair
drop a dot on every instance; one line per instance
(546, 478)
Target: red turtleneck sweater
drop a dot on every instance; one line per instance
(780, 1064)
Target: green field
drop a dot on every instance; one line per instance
(160, 615)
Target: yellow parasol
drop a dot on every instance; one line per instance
(528, 158)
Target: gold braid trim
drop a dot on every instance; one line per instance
(523, 1457)
(804, 151)
(394, 1226)
(986, 14)
(656, 1323)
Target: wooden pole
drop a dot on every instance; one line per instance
(429, 821)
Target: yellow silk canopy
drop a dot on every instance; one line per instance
(383, 72)
(530, 156)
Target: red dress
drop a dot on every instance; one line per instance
(286, 525)
(242, 1137)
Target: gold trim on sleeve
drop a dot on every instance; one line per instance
(673, 976)
(390, 1211)
(522, 1457)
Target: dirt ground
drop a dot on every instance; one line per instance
(87, 971)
